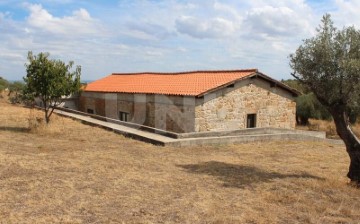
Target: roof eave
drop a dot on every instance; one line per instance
(294, 92)
(167, 94)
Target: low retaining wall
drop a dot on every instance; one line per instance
(123, 123)
(164, 138)
(252, 131)
(202, 141)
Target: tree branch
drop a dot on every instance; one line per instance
(52, 110)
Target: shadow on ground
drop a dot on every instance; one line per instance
(239, 176)
(14, 129)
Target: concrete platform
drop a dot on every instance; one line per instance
(163, 138)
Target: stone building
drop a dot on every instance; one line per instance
(193, 101)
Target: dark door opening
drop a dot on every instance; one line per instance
(251, 121)
(90, 111)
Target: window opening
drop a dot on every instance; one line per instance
(123, 116)
(251, 121)
(90, 111)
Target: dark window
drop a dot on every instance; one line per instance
(90, 111)
(123, 116)
(251, 121)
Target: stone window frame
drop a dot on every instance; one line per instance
(253, 120)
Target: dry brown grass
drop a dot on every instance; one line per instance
(328, 127)
(73, 173)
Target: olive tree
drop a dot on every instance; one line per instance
(329, 65)
(50, 81)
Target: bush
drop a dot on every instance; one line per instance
(307, 106)
(3, 84)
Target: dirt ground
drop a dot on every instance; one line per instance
(69, 172)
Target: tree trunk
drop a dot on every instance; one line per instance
(304, 120)
(301, 120)
(46, 109)
(297, 118)
(47, 116)
(351, 141)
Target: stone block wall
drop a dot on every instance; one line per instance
(224, 109)
(171, 113)
(93, 101)
(227, 109)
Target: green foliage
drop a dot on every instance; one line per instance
(16, 86)
(329, 64)
(307, 105)
(15, 91)
(304, 108)
(296, 84)
(50, 81)
(3, 84)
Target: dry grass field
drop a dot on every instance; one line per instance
(74, 173)
(328, 127)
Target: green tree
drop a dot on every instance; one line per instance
(50, 81)
(329, 65)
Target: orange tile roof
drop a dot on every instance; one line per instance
(183, 83)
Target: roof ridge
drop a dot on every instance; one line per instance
(187, 72)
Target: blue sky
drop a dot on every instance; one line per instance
(163, 35)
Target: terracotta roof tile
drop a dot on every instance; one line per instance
(183, 83)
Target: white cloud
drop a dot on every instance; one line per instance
(347, 13)
(171, 35)
(270, 22)
(2, 16)
(213, 28)
(154, 53)
(228, 10)
(146, 30)
(79, 23)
